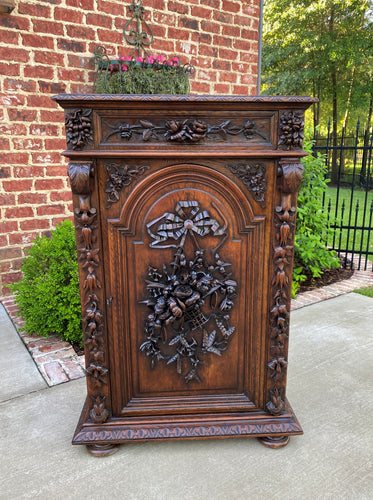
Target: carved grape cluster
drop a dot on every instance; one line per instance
(291, 130)
(79, 128)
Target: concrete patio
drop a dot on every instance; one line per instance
(329, 387)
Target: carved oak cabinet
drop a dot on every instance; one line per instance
(185, 212)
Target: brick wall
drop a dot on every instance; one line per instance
(45, 49)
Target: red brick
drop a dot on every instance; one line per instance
(221, 88)
(24, 115)
(84, 32)
(55, 373)
(56, 170)
(12, 129)
(55, 144)
(81, 4)
(8, 278)
(58, 220)
(229, 6)
(201, 12)
(201, 37)
(68, 15)
(17, 186)
(210, 27)
(39, 72)
(39, 101)
(79, 61)
(8, 226)
(233, 31)
(19, 55)
(249, 79)
(28, 171)
(222, 41)
(33, 224)
(9, 69)
(4, 144)
(203, 74)
(228, 77)
(14, 158)
(21, 239)
(231, 55)
(10, 253)
(48, 57)
(60, 196)
(18, 23)
(223, 17)
(34, 10)
(4, 172)
(178, 34)
(12, 100)
(46, 42)
(46, 157)
(70, 75)
(112, 8)
(48, 184)
(98, 20)
(243, 21)
(207, 50)
(186, 22)
(31, 198)
(223, 65)
(215, 4)
(52, 87)
(50, 210)
(24, 143)
(110, 36)
(200, 87)
(19, 212)
(55, 116)
(49, 27)
(155, 4)
(178, 7)
(7, 199)
(249, 34)
(8, 37)
(71, 45)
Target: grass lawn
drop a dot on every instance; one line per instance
(350, 238)
(367, 291)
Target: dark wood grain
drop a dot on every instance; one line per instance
(185, 215)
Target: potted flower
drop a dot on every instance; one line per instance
(140, 75)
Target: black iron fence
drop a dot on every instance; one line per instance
(348, 201)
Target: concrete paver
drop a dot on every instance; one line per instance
(19, 374)
(329, 388)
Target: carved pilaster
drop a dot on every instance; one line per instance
(290, 176)
(80, 175)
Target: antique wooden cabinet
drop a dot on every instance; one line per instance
(185, 215)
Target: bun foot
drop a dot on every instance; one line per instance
(102, 450)
(274, 441)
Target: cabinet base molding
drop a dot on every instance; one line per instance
(257, 424)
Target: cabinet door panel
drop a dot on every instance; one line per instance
(184, 253)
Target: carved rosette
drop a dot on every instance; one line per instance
(78, 124)
(253, 175)
(119, 177)
(290, 176)
(89, 262)
(291, 130)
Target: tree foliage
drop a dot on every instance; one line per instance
(322, 48)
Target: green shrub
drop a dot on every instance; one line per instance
(48, 295)
(311, 255)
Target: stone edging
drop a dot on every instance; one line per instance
(58, 363)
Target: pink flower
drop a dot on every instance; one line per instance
(140, 59)
(160, 58)
(175, 60)
(150, 59)
(124, 67)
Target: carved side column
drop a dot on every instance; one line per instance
(289, 178)
(90, 268)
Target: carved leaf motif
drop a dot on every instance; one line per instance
(292, 177)
(79, 177)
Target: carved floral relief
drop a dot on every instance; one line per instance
(253, 175)
(187, 131)
(190, 298)
(291, 133)
(89, 256)
(78, 127)
(284, 227)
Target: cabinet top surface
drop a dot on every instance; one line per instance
(116, 98)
